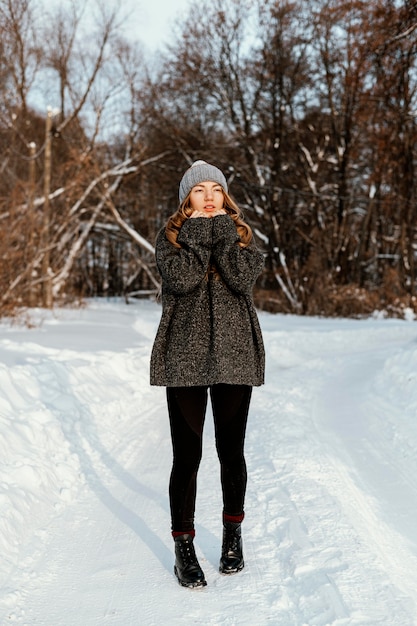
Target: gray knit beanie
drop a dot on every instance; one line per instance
(198, 173)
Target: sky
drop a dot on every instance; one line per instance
(151, 20)
(148, 21)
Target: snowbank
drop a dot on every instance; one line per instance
(330, 534)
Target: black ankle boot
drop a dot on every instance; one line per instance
(231, 560)
(187, 568)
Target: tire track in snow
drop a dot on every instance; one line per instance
(360, 481)
(333, 566)
(100, 546)
(73, 394)
(304, 592)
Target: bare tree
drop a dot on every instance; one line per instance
(309, 108)
(82, 166)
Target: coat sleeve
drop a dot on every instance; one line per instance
(239, 267)
(182, 269)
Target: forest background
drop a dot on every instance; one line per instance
(309, 108)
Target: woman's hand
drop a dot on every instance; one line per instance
(198, 214)
(208, 213)
(219, 212)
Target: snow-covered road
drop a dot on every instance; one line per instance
(330, 535)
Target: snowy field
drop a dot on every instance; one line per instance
(330, 534)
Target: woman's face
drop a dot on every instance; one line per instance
(207, 197)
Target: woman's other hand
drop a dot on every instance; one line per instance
(206, 214)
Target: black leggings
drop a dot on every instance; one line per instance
(187, 410)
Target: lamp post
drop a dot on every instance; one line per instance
(31, 208)
(46, 260)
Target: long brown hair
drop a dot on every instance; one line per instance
(184, 211)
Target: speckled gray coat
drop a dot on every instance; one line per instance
(209, 331)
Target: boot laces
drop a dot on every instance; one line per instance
(188, 552)
(232, 541)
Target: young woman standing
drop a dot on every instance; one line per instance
(208, 342)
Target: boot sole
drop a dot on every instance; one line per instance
(236, 570)
(198, 584)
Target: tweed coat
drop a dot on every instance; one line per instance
(209, 331)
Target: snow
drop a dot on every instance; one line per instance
(330, 535)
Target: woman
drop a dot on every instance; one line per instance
(208, 341)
